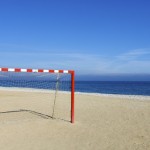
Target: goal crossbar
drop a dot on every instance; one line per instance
(71, 72)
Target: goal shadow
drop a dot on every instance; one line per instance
(44, 116)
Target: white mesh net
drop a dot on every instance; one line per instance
(42, 95)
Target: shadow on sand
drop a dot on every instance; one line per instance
(44, 116)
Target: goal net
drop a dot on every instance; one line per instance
(45, 93)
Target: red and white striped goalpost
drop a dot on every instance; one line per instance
(71, 72)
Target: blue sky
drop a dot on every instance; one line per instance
(93, 37)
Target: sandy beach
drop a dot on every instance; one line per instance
(102, 122)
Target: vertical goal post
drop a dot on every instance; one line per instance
(70, 72)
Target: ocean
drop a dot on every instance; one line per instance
(104, 87)
(114, 87)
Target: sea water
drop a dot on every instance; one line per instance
(114, 87)
(104, 87)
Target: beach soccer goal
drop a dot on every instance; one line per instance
(48, 93)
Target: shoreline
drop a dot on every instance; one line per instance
(138, 97)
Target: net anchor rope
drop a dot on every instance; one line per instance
(56, 91)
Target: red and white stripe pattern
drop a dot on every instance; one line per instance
(34, 70)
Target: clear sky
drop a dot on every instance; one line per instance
(93, 37)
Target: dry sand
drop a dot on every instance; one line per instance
(102, 122)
